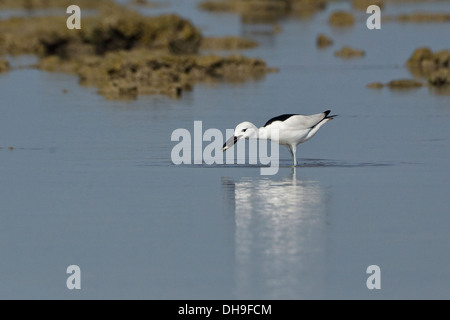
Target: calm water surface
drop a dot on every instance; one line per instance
(90, 182)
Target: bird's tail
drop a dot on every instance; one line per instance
(327, 116)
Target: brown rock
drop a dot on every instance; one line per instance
(404, 84)
(265, 10)
(347, 52)
(424, 17)
(4, 65)
(419, 55)
(423, 62)
(442, 58)
(125, 54)
(341, 19)
(127, 74)
(45, 4)
(375, 85)
(440, 77)
(227, 43)
(323, 41)
(363, 4)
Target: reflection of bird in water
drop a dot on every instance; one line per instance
(292, 129)
(279, 236)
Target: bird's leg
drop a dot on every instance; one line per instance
(294, 154)
(290, 150)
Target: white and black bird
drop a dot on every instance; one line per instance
(292, 129)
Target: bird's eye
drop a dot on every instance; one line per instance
(243, 130)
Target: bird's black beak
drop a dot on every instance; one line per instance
(230, 142)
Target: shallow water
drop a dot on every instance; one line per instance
(90, 182)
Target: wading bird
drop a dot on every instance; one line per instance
(292, 130)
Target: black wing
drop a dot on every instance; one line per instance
(283, 117)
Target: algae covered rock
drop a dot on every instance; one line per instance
(440, 77)
(341, 19)
(419, 55)
(424, 17)
(322, 41)
(4, 65)
(45, 4)
(396, 84)
(425, 57)
(227, 43)
(442, 58)
(125, 54)
(404, 84)
(122, 30)
(126, 74)
(364, 4)
(375, 85)
(423, 62)
(264, 10)
(129, 30)
(348, 52)
(234, 68)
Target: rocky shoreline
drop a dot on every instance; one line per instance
(429, 68)
(125, 54)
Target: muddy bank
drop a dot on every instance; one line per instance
(125, 54)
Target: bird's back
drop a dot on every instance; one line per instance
(282, 118)
(297, 121)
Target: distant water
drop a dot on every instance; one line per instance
(90, 182)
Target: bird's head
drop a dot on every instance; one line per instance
(246, 130)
